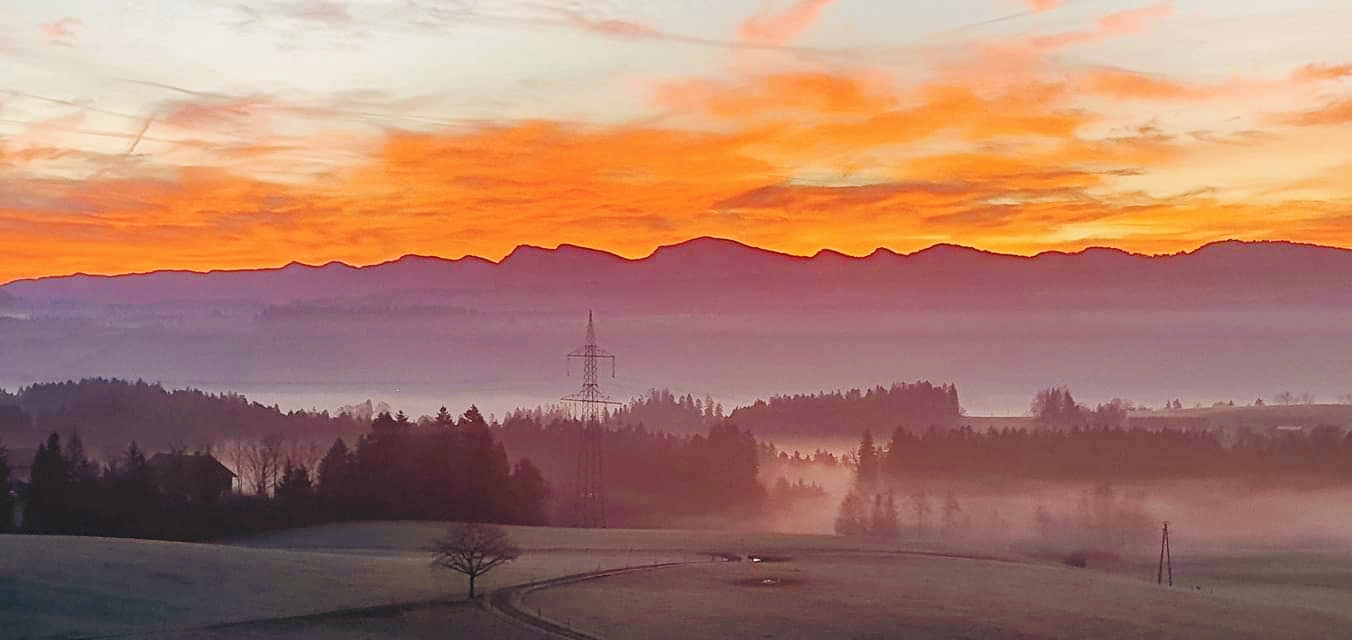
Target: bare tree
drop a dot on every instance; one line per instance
(474, 549)
(264, 459)
(1285, 398)
(305, 451)
(1307, 398)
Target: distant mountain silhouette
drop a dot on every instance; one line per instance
(712, 274)
(1227, 321)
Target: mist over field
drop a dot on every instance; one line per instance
(1205, 514)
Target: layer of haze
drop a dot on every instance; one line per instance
(998, 361)
(135, 137)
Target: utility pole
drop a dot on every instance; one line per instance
(1166, 558)
(590, 489)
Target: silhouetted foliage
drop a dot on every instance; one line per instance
(662, 411)
(529, 493)
(443, 470)
(46, 508)
(884, 521)
(852, 519)
(6, 491)
(338, 472)
(784, 492)
(653, 479)
(854, 411)
(109, 412)
(474, 549)
(295, 486)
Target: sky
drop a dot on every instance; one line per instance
(138, 135)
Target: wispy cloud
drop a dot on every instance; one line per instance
(771, 27)
(1044, 5)
(1335, 112)
(321, 11)
(1322, 71)
(62, 31)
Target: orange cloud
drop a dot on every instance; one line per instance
(771, 28)
(1321, 71)
(1128, 85)
(1044, 5)
(997, 153)
(1110, 26)
(1334, 113)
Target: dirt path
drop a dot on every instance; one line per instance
(507, 601)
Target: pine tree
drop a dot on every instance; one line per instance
(6, 500)
(868, 461)
(337, 477)
(131, 488)
(884, 520)
(46, 508)
(528, 493)
(82, 488)
(295, 485)
(444, 419)
(851, 519)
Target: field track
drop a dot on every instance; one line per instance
(507, 601)
(354, 612)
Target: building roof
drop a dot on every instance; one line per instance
(196, 462)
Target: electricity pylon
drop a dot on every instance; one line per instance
(591, 472)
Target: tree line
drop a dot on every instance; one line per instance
(111, 412)
(442, 469)
(653, 479)
(1112, 454)
(447, 469)
(921, 403)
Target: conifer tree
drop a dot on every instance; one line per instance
(851, 520)
(6, 500)
(884, 520)
(46, 506)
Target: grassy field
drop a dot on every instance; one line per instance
(341, 581)
(880, 595)
(56, 586)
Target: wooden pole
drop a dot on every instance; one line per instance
(1168, 554)
(1164, 539)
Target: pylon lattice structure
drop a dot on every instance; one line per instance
(591, 470)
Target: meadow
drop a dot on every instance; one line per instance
(372, 580)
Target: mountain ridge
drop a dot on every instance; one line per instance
(697, 243)
(717, 275)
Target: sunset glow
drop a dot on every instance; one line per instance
(200, 135)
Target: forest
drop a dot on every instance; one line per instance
(436, 467)
(669, 461)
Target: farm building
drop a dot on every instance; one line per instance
(199, 477)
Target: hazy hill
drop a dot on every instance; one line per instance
(719, 274)
(1228, 321)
